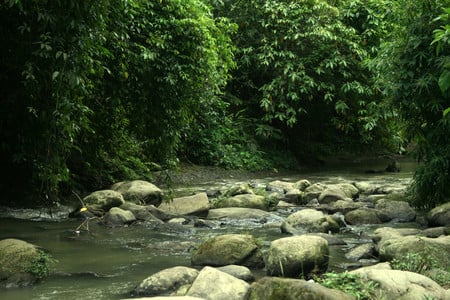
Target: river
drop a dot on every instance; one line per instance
(107, 263)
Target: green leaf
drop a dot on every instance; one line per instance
(446, 112)
(54, 75)
(444, 81)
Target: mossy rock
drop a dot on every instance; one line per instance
(22, 263)
(229, 249)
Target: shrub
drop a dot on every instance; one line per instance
(348, 283)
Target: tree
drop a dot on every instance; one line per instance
(301, 69)
(93, 91)
(411, 71)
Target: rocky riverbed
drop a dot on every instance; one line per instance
(259, 238)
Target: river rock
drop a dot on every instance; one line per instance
(103, 200)
(268, 288)
(332, 239)
(139, 191)
(18, 259)
(141, 212)
(197, 205)
(365, 187)
(363, 251)
(243, 200)
(311, 220)
(302, 184)
(180, 221)
(294, 196)
(229, 249)
(340, 191)
(212, 284)
(313, 191)
(283, 204)
(391, 243)
(399, 211)
(237, 271)
(167, 298)
(280, 186)
(166, 282)
(440, 215)
(297, 256)
(238, 213)
(238, 190)
(402, 285)
(119, 217)
(362, 216)
(434, 232)
(342, 206)
(158, 213)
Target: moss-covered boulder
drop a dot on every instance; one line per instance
(395, 244)
(297, 256)
(166, 282)
(103, 200)
(139, 192)
(268, 288)
(311, 220)
(21, 263)
(229, 249)
(440, 215)
(362, 215)
(243, 200)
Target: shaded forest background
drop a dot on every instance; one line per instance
(94, 92)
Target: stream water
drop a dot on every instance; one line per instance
(107, 263)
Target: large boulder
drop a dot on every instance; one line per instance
(294, 196)
(21, 263)
(118, 217)
(402, 285)
(166, 282)
(362, 216)
(311, 220)
(297, 256)
(238, 213)
(313, 191)
(212, 284)
(340, 191)
(139, 191)
(103, 200)
(399, 211)
(392, 243)
(229, 249)
(268, 288)
(197, 205)
(280, 186)
(243, 200)
(440, 215)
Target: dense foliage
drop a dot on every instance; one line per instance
(302, 64)
(410, 70)
(93, 91)
(99, 91)
(351, 284)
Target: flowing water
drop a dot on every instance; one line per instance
(107, 263)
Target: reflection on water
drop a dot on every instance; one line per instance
(108, 263)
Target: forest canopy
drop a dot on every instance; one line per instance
(99, 91)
